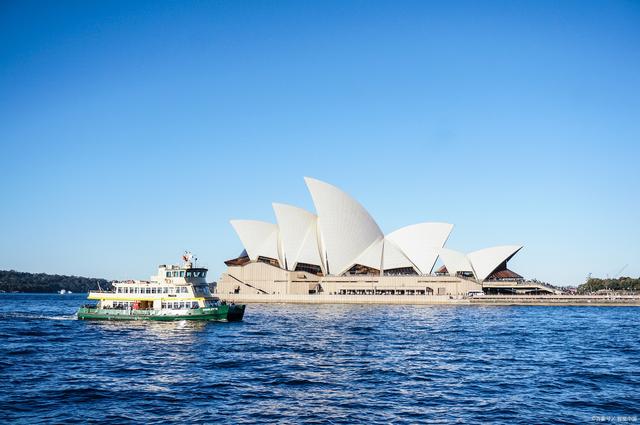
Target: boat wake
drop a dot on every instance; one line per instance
(37, 316)
(69, 317)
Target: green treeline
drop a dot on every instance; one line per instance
(12, 281)
(620, 284)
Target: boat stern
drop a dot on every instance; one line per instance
(236, 312)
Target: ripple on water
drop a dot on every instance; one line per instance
(320, 364)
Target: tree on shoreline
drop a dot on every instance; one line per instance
(13, 281)
(621, 284)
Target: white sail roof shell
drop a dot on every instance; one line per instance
(371, 257)
(455, 261)
(260, 239)
(347, 230)
(420, 243)
(298, 235)
(394, 258)
(485, 261)
(310, 250)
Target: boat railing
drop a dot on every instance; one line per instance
(137, 312)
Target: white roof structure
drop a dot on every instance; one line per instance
(455, 261)
(370, 257)
(343, 234)
(298, 235)
(485, 261)
(394, 258)
(420, 243)
(260, 239)
(346, 228)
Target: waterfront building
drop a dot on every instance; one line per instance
(340, 250)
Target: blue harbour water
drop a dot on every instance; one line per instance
(321, 364)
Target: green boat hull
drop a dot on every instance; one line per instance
(222, 313)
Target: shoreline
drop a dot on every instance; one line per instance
(486, 300)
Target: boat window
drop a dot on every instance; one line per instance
(175, 274)
(204, 274)
(188, 274)
(181, 273)
(153, 290)
(168, 274)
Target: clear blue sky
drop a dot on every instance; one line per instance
(131, 131)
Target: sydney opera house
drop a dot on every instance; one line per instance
(340, 250)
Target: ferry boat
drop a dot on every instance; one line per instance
(177, 292)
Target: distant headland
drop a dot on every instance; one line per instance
(14, 281)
